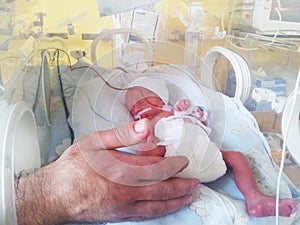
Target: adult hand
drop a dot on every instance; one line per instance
(89, 183)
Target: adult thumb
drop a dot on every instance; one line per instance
(123, 136)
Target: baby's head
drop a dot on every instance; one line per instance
(142, 103)
(145, 97)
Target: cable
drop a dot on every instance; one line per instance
(87, 67)
(90, 104)
(66, 110)
(72, 68)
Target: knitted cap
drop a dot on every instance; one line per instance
(157, 86)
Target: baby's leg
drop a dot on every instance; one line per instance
(260, 205)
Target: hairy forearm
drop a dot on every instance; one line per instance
(36, 203)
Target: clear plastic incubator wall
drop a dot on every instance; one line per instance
(247, 51)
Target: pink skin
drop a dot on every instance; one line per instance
(184, 104)
(258, 204)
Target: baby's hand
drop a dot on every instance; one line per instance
(198, 112)
(182, 105)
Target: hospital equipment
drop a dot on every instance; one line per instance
(113, 7)
(271, 17)
(47, 92)
(193, 34)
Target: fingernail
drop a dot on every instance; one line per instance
(190, 199)
(139, 126)
(197, 187)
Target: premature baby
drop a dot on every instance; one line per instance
(183, 129)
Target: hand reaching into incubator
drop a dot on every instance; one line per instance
(91, 182)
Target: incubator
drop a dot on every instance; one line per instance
(63, 74)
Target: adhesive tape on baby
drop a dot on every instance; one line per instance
(19, 149)
(291, 130)
(241, 69)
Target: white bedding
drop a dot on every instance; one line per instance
(98, 107)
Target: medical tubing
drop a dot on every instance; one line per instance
(97, 73)
(86, 67)
(285, 145)
(57, 50)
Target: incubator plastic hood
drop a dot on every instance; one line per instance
(19, 150)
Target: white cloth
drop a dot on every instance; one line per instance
(189, 137)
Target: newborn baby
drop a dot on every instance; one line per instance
(182, 130)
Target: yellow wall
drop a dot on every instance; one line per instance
(60, 11)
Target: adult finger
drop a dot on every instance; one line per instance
(133, 170)
(153, 209)
(162, 191)
(158, 199)
(145, 210)
(123, 136)
(124, 168)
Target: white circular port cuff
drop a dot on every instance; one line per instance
(107, 34)
(292, 133)
(19, 150)
(241, 69)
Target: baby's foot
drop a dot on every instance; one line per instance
(263, 206)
